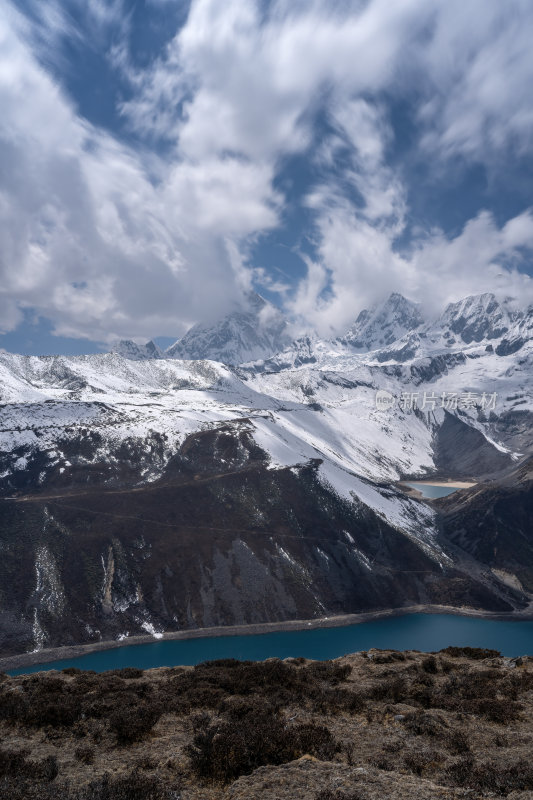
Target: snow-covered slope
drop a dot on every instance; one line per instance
(319, 395)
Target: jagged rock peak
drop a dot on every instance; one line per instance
(475, 318)
(384, 323)
(127, 348)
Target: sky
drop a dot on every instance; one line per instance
(160, 158)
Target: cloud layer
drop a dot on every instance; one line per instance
(108, 235)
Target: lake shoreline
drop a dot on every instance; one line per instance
(450, 484)
(75, 651)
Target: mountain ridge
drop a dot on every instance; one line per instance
(258, 331)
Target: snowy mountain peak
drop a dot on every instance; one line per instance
(257, 332)
(254, 331)
(475, 318)
(127, 348)
(384, 323)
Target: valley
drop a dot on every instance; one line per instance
(148, 494)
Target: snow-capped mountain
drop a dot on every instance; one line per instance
(254, 331)
(519, 333)
(158, 493)
(475, 319)
(384, 323)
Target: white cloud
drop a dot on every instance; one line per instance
(358, 261)
(382, 193)
(96, 238)
(107, 241)
(478, 64)
(358, 266)
(232, 81)
(483, 257)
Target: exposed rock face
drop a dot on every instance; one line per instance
(461, 450)
(493, 523)
(217, 541)
(476, 318)
(509, 346)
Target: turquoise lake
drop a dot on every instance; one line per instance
(424, 632)
(432, 492)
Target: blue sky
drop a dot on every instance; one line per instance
(158, 159)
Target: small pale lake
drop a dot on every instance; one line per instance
(432, 491)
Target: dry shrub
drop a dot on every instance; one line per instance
(383, 761)
(131, 723)
(422, 762)
(283, 683)
(15, 764)
(394, 690)
(57, 709)
(337, 700)
(328, 671)
(39, 702)
(477, 693)
(421, 724)
(457, 742)
(127, 673)
(500, 740)
(388, 658)
(222, 751)
(132, 786)
(430, 665)
(474, 653)
(146, 762)
(20, 788)
(501, 778)
(85, 753)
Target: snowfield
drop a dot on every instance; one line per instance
(314, 400)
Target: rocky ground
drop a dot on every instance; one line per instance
(380, 724)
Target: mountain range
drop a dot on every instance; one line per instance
(241, 477)
(254, 330)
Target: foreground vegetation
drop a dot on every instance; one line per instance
(372, 725)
